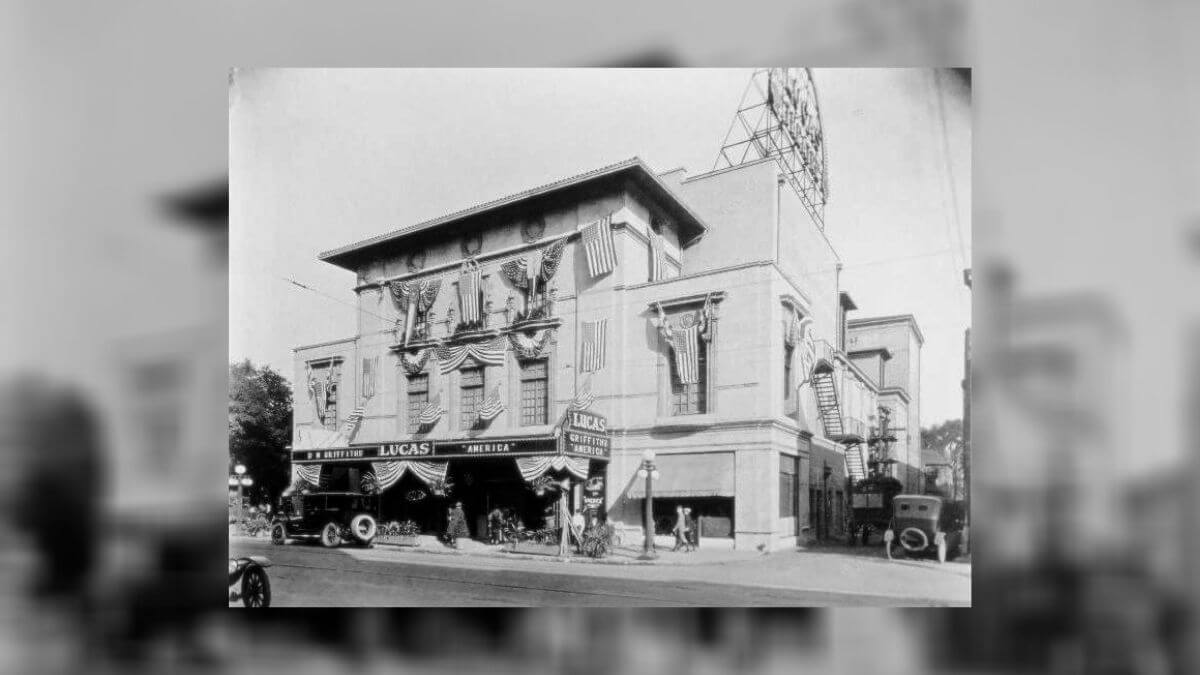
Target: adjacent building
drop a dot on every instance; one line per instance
(551, 340)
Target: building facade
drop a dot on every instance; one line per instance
(550, 339)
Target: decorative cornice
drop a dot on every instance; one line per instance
(686, 300)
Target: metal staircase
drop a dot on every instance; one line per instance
(827, 402)
(855, 467)
(830, 412)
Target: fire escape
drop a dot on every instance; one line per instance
(847, 432)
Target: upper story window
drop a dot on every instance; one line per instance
(534, 392)
(324, 379)
(471, 386)
(690, 398)
(787, 372)
(690, 336)
(418, 398)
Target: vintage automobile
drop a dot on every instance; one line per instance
(922, 524)
(333, 518)
(248, 581)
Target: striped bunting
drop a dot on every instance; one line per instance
(533, 468)
(388, 474)
(469, 286)
(583, 400)
(595, 338)
(599, 247)
(491, 406)
(686, 344)
(308, 473)
(658, 258)
(490, 353)
(432, 412)
(353, 420)
(317, 389)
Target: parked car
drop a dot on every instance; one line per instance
(921, 524)
(248, 581)
(333, 518)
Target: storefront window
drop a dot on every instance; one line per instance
(691, 399)
(789, 486)
(534, 392)
(472, 395)
(418, 398)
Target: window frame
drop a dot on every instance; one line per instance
(479, 391)
(522, 378)
(411, 418)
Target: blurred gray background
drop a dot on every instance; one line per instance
(1084, 379)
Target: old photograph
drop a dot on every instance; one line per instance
(615, 337)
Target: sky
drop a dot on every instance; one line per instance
(322, 158)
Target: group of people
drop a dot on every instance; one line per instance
(501, 521)
(685, 530)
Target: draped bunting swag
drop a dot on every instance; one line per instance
(309, 473)
(543, 265)
(551, 258)
(533, 467)
(414, 367)
(532, 348)
(490, 353)
(424, 293)
(388, 474)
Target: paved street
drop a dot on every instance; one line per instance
(305, 575)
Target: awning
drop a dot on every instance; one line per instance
(700, 474)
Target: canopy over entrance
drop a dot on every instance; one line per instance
(703, 474)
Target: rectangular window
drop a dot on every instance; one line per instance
(534, 392)
(471, 382)
(789, 486)
(418, 398)
(691, 399)
(787, 373)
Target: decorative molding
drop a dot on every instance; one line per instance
(533, 229)
(416, 260)
(472, 244)
(687, 300)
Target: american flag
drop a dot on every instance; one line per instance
(595, 335)
(598, 244)
(658, 258)
(491, 406)
(317, 388)
(354, 418)
(468, 293)
(370, 366)
(432, 412)
(686, 344)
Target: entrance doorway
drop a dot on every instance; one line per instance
(487, 483)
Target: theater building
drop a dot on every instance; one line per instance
(553, 336)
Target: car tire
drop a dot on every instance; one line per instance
(363, 527)
(331, 535)
(924, 545)
(256, 587)
(278, 534)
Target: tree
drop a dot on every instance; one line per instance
(260, 427)
(947, 439)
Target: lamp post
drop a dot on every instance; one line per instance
(240, 480)
(650, 473)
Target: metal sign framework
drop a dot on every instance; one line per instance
(779, 117)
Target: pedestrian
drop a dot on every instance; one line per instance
(693, 532)
(495, 524)
(456, 525)
(679, 530)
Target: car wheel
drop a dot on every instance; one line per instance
(278, 534)
(331, 535)
(363, 528)
(256, 588)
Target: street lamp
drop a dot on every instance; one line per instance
(650, 473)
(240, 480)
